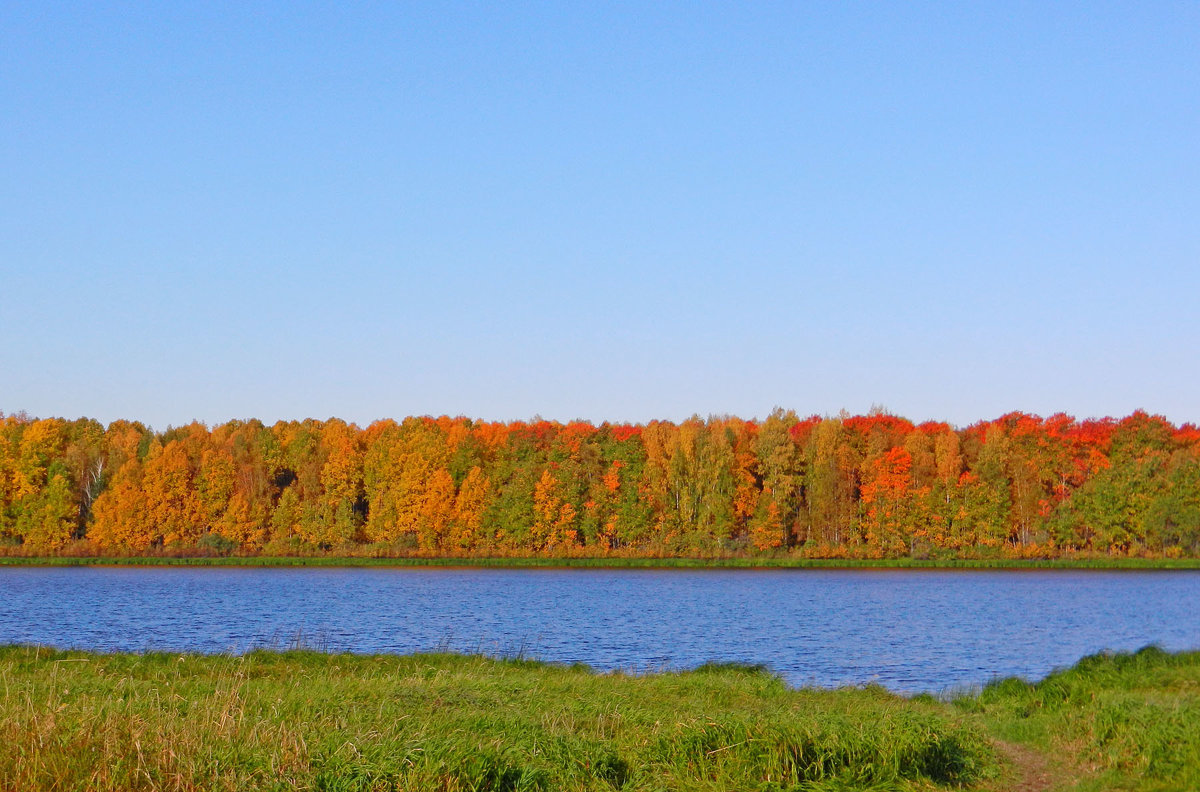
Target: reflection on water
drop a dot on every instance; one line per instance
(910, 630)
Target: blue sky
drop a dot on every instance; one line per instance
(222, 210)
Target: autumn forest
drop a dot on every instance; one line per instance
(874, 486)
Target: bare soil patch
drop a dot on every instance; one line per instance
(1032, 770)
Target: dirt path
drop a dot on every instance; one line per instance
(1032, 771)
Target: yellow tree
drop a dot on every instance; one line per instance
(948, 491)
(299, 514)
(437, 510)
(44, 499)
(10, 426)
(171, 498)
(343, 499)
(382, 465)
(745, 473)
(243, 523)
(40, 444)
(778, 463)
(400, 464)
(84, 462)
(47, 521)
(467, 530)
(121, 517)
(658, 438)
(832, 484)
(554, 518)
(215, 482)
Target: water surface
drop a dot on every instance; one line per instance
(909, 630)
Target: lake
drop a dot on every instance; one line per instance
(909, 630)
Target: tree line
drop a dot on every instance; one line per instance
(846, 486)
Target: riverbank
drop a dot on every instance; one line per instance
(306, 720)
(1125, 721)
(524, 562)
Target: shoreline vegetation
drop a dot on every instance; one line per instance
(778, 491)
(609, 562)
(302, 719)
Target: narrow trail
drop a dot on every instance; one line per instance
(1033, 771)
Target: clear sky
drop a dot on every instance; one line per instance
(613, 211)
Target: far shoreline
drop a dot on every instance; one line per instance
(605, 562)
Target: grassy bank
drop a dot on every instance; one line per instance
(1102, 562)
(1121, 722)
(304, 720)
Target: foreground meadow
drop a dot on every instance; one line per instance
(307, 720)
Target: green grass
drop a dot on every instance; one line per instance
(304, 720)
(1124, 721)
(307, 720)
(614, 562)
